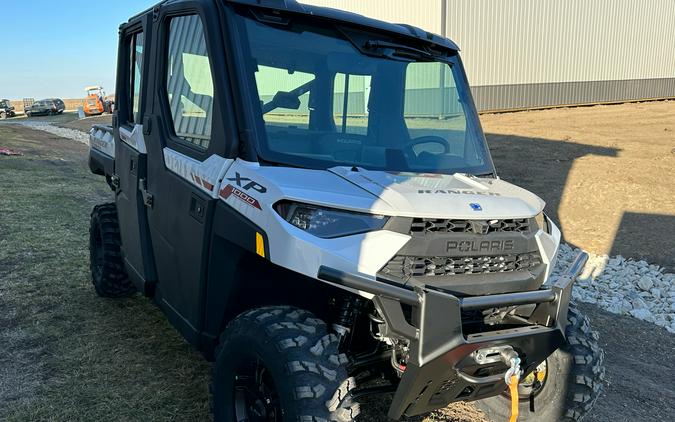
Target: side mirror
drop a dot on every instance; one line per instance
(286, 100)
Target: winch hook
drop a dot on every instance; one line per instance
(512, 378)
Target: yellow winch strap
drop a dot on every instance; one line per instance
(513, 389)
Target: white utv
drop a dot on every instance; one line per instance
(308, 196)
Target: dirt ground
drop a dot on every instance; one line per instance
(67, 355)
(85, 124)
(606, 173)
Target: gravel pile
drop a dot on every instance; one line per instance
(75, 135)
(623, 286)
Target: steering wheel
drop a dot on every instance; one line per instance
(428, 139)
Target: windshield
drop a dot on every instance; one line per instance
(381, 106)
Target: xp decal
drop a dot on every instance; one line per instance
(202, 182)
(230, 190)
(250, 185)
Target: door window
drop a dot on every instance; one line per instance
(136, 62)
(189, 81)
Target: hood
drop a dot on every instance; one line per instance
(394, 194)
(443, 196)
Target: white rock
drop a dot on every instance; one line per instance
(645, 283)
(642, 314)
(72, 134)
(623, 286)
(661, 322)
(638, 303)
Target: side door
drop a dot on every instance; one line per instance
(131, 154)
(187, 156)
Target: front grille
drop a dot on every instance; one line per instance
(409, 266)
(440, 225)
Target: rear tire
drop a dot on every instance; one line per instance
(3, 115)
(108, 275)
(574, 380)
(280, 363)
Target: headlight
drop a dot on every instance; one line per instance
(542, 222)
(328, 222)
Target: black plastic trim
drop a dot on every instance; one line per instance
(367, 285)
(100, 163)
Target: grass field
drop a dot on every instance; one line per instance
(65, 354)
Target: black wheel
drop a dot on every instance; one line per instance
(565, 386)
(105, 255)
(3, 115)
(280, 364)
(28, 114)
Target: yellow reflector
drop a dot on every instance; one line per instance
(541, 376)
(259, 245)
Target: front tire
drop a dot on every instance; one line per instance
(573, 381)
(280, 364)
(108, 275)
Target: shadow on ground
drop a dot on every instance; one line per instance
(642, 235)
(541, 166)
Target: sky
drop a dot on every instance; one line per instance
(56, 48)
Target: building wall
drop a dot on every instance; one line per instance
(537, 53)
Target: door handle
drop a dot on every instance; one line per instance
(148, 199)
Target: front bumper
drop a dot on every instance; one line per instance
(442, 367)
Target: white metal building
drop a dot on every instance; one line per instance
(539, 53)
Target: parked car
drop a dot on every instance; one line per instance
(45, 107)
(60, 105)
(6, 109)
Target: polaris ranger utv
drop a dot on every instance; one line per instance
(287, 194)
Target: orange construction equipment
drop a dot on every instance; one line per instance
(96, 103)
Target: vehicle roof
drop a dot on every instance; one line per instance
(89, 88)
(404, 30)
